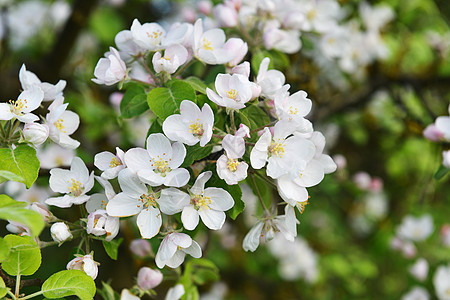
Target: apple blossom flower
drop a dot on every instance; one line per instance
(60, 232)
(136, 199)
(209, 45)
(42, 210)
(239, 48)
(320, 16)
(441, 282)
(432, 133)
(159, 164)
(207, 203)
(226, 15)
(84, 263)
(75, 183)
(18, 228)
(287, 41)
(109, 163)
(233, 91)
(29, 79)
(174, 56)
(148, 278)
(179, 33)
(110, 70)
(244, 70)
(127, 46)
(416, 293)
(243, 131)
(375, 17)
(173, 249)
(204, 6)
(270, 81)
(420, 269)
(35, 133)
(446, 159)
(294, 107)
(415, 229)
(175, 293)
(229, 168)
(21, 108)
(148, 35)
(191, 125)
(284, 154)
(62, 123)
(100, 223)
(53, 156)
(141, 248)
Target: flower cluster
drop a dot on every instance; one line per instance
(439, 131)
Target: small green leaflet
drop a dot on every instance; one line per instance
(68, 283)
(24, 256)
(20, 164)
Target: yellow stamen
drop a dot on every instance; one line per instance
(114, 162)
(232, 94)
(196, 128)
(311, 15)
(59, 124)
(161, 166)
(232, 164)
(301, 206)
(277, 148)
(200, 202)
(154, 34)
(75, 189)
(207, 45)
(18, 105)
(293, 110)
(147, 200)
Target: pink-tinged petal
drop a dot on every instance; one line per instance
(189, 217)
(181, 239)
(179, 51)
(158, 146)
(194, 250)
(62, 202)
(251, 240)
(60, 180)
(5, 112)
(149, 222)
(291, 192)
(103, 160)
(176, 260)
(123, 205)
(234, 146)
(177, 178)
(150, 177)
(178, 155)
(137, 159)
(79, 169)
(221, 199)
(27, 118)
(177, 130)
(172, 201)
(199, 185)
(213, 219)
(130, 184)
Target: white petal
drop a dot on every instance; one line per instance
(194, 250)
(329, 166)
(177, 178)
(60, 180)
(176, 130)
(251, 240)
(150, 177)
(123, 205)
(176, 260)
(178, 155)
(221, 199)
(189, 217)
(159, 146)
(172, 201)
(79, 169)
(291, 192)
(149, 222)
(312, 175)
(213, 219)
(130, 184)
(234, 146)
(5, 112)
(103, 160)
(63, 202)
(199, 185)
(137, 159)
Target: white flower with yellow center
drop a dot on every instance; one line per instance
(29, 79)
(233, 91)
(174, 56)
(62, 123)
(136, 199)
(109, 163)
(148, 35)
(191, 125)
(270, 81)
(283, 153)
(75, 183)
(209, 204)
(173, 249)
(159, 164)
(21, 108)
(209, 46)
(292, 107)
(229, 168)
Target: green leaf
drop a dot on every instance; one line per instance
(278, 60)
(190, 293)
(254, 117)
(4, 250)
(194, 153)
(107, 293)
(14, 211)
(440, 172)
(20, 164)
(24, 256)
(112, 247)
(134, 102)
(234, 190)
(67, 283)
(3, 288)
(203, 271)
(165, 101)
(154, 128)
(197, 84)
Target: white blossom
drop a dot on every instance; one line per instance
(21, 108)
(173, 249)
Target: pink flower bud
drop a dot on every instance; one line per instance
(340, 160)
(140, 248)
(396, 243)
(226, 16)
(432, 133)
(376, 184)
(243, 131)
(35, 133)
(409, 250)
(205, 7)
(362, 180)
(420, 269)
(42, 210)
(148, 278)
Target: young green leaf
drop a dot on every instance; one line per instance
(3, 288)
(68, 283)
(14, 211)
(112, 247)
(24, 256)
(440, 172)
(20, 164)
(4, 250)
(197, 84)
(194, 153)
(134, 102)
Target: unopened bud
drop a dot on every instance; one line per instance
(35, 133)
(60, 232)
(148, 278)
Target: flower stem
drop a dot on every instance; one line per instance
(17, 285)
(259, 194)
(183, 68)
(32, 295)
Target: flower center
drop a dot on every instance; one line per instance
(154, 34)
(18, 105)
(293, 110)
(232, 94)
(232, 164)
(200, 202)
(301, 206)
(166, 58)
(207, 45)
(147, 200)
(311, 14)
(76, 188)
(277, 148)
(161, 166)
(114, 162)
(196, 128)
(59, 124)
